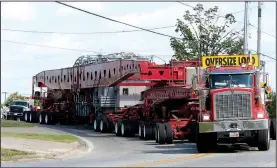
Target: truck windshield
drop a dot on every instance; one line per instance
(233, 80)
(19, 103)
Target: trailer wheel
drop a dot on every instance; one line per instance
(272, 131)
(169, 133)
(96, 125)
(41, 118)
(26, 116)
(117, 128)
(161, 133)
(263, 139)
(31, 117)
(104, 125)
(125, 128)
(141, 133)
(48, 118)
(147, 131)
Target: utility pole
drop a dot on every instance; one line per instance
(5, 95)
(245, 44)
(261, 63)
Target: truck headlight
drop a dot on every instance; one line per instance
(206, 117)
(260, 115)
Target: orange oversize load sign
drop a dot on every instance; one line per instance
(229, 60)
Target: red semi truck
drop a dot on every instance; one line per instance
(206, 104)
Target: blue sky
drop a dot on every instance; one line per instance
(21, 62)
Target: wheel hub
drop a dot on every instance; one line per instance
(40, 118)
(144, 131)
(158, 135)
(26, 117)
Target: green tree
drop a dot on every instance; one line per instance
(271, 108)
(14, 96)
(204, 33)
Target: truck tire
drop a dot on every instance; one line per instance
(41, 118)
(141, 129)
(169, 133)
(26, 116)
(32, 117)
(125, 128)
(117, 127)
(205, 141)
(272, 131)
(147, 131)
(161, 133)
(263, 139)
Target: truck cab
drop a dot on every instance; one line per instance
(17, 108)
(233, 108)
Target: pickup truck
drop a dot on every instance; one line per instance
(17, 108)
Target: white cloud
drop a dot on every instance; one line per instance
(90, 6)
(22, 11)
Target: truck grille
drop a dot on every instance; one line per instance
(16, 109)
(228, 106)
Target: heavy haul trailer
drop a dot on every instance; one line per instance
(75, 94)
(170, 102)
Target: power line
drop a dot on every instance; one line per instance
(236, 21)
(103, 17)
(17, 42)
(86, 33)
(263, 54)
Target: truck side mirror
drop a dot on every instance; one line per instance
(37, 94)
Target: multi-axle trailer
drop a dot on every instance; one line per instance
(127, 94)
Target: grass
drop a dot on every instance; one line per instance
(12, 154)
(11, 123)
(65, 138)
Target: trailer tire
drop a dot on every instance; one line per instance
(169, 133)
(147, 131)
(96, 125)
(141, 133)
(103, 125)
(26, 116)
(161, 133)
(48, 118)
(125, 128)
(263, 139)
(41, 118)
(117, 127)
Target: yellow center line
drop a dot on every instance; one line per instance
(147, 164)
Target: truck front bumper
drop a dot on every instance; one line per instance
(228, 126)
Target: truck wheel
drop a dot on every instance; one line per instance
(41, 118)
(161, 133)
(141, 133)
(272, 131)
(147, 131)
(31, 117)
(26, 116)
(125, 128)
(156, 132)
(205, 141)
(263, 139)
(169, 133)
(117, 128)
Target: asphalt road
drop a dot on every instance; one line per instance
(110, 150)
